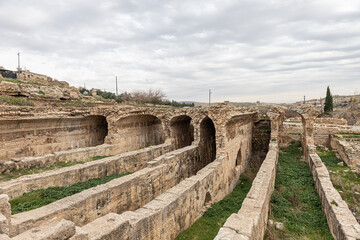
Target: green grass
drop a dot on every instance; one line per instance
(214, 218)
(295, 201)
(345, 133)
(32, 170)
(344, 180)
(20, 101)
(42, 197)
(20, 82)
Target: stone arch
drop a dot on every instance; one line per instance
(138, 131)
(182, 131)
(207, 143)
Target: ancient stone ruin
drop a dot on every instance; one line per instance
(181, 162)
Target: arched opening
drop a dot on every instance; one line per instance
(238, 158)
(207, 201)
(139, 131)
(182, 131)
(35, 137)
(97, 128)
(207, 144)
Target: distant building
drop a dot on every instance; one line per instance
(5, 73)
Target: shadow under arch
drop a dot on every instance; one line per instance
(182, 131)
(207, 143)
(139, 131)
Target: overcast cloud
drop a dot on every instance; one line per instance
(244, 50)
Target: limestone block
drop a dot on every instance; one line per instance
(80, 234)
(110, 226)
(9, 88)
(29, 90)
(4, 237)
(52, 92)
(229, 234)
(55, 229)
(4, 224)
(5, 207)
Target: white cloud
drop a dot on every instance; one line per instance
(275, 51)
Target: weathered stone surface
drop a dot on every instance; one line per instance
(349, 151)
(126, 162)
(277, 117)
(125, 193)
(184, 198)
(54, 229)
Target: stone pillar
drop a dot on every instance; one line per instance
(308, 115)
(277, 117)
(5, 214)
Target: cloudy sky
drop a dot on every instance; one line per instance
(244, 50)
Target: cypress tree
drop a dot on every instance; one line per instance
(329, 105)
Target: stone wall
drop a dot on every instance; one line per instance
(167, 215)
(238, 142)
(251, 220)
(126, 193)
(32, 137)
(123, 163)
(341, 221)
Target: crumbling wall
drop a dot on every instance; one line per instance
(293, 132)
(238, 142)
(348, 151)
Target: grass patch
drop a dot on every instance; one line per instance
(42, 197)
(344, 180)
(295, 201)
(79, 103)
(20, 82)
(345, 133)
(20, 101)
(32, 170)
(214, 218)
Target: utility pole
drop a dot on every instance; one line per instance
(19, 62)
(209, 97)
(116, 86)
